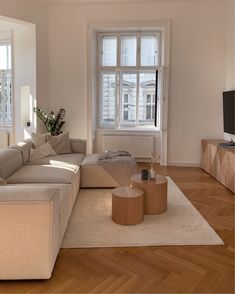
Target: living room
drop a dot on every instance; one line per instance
(59, 63)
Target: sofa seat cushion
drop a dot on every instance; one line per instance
(69, 160)
(91, 159)
(43, 174)
(113, 172)
(63, 188)
(95, 176)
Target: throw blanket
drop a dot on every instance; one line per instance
(120, 165)
(112, 154)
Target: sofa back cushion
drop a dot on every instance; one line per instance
(10, 162)
(60, 143)
(78, 146)
(3, 182)
(42, 151)
(24, 147)
(39, 139)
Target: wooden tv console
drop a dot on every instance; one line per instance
(219, 162)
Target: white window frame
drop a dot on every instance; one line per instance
(92, 128)
(119, 70)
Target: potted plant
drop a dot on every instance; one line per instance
(53, 122)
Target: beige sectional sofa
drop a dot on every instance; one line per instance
(35, 207)
(37, 201)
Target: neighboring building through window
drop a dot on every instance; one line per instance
(127, 64)
(125, 106)
(5, 84)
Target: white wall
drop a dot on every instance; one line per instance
(24, 44)
(197, 73)
(230, 45)
(23, 41)
(200, 62)
(230, 52)
(36, 13)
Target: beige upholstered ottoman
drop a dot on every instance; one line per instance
(106, 174)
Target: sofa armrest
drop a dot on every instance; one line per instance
(78, 146)
(29, 231)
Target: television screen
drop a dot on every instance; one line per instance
(229, 111)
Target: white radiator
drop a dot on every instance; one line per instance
(138, 146)
(4, 139)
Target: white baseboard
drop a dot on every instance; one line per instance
(173, 163)
(148, 160)
(184, 163)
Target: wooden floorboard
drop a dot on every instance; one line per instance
(163, 269)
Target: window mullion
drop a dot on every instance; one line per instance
(100, 102)
(138, 51)
(118, 51)
(137, 98)
(118, 83)
(138, 76)
(118, 98)
(4, 97)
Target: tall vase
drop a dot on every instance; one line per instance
(152, 173)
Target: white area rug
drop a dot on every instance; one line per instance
(91, 225)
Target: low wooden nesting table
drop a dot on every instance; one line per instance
(127, 205)
(155, 193)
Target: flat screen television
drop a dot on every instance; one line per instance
(229, 111)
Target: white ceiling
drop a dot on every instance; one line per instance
(107, 1)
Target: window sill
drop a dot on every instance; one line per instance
(4, 126)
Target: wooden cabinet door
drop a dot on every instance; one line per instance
(205, 156)
(210, 161)
(214, 161)
(227, 169)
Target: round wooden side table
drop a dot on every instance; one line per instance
(127, 205)
(155, 193)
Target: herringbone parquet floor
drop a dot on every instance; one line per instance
(167, 269)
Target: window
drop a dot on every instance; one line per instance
(5, 84)
(127, 64)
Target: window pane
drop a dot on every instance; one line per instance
(109, 51)
(146, 98)
(9, 56)
(148, 111)
(108, 89)
(128, 98)
(8, 100)
(4, 57)
(128, 50)
(149, 54)
(5, 97)
(1, 99)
